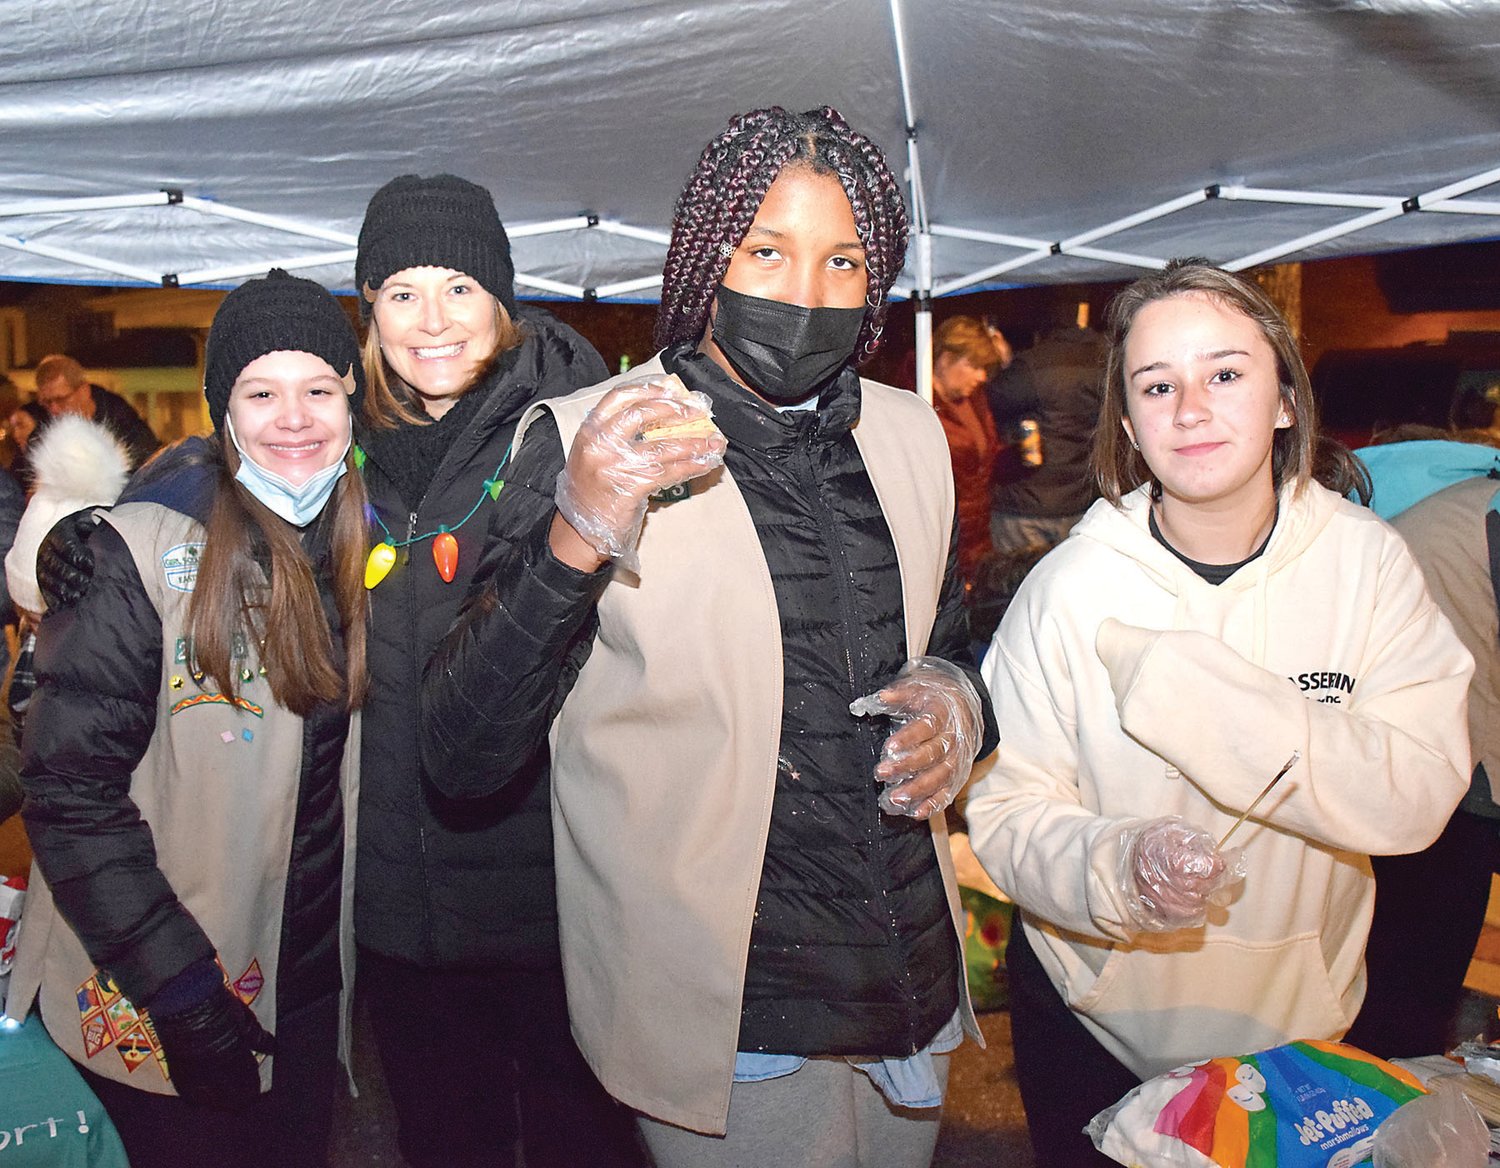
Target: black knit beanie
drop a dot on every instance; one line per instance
(441, 222)
(279, 312)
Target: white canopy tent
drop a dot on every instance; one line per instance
(203, 142)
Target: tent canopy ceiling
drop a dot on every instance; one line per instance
(1036, 122)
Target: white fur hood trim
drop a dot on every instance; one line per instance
(77, 464)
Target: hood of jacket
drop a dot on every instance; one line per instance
(1126, 529)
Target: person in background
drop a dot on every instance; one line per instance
(63, 388)
(26, 421)
(760, 927)
(963, 358)
(1430, 905)
(188, 783)
(1217, 619)
(10, 401)
(77, 464)
(1047, 401)
(455, 905)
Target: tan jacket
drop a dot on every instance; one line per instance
(664, 764)
(230, 877)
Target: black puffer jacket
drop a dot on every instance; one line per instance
(852, 950)
(99, 674)
(1058, 382)
(440, 882)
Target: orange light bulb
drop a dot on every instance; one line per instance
(445, 555)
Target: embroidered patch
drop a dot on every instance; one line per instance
(108, 1018)
(180, 566)
(122, 1015)
(239, 648)
(136, 1048)
(88, 998)
(218, 700)
(96, 1035)
(248, 985)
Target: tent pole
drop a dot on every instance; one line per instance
(920, 232)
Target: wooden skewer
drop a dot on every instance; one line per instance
(1264, 791)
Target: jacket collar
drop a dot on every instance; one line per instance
(750, 421)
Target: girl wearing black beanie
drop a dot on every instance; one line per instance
(189, 790)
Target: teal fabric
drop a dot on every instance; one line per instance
(1405, 473)
(48, 1115)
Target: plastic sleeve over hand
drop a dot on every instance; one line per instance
(1380, 775)
(1170, 873)
(939, 724)
(617, 463)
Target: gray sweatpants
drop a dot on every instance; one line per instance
(825, 1115)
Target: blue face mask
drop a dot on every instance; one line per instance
(299, 506)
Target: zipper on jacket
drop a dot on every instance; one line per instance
(858, 686)
(411, 534)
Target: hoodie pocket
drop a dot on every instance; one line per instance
(1170, 1003)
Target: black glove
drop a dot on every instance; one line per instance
(210, 1049)
(64, 562)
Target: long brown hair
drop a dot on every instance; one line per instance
(390, 402)
(232, 601)
(1298, 455)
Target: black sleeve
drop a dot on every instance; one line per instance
(1013, 394)
(98, 667)
(493, 686)
(950, 640)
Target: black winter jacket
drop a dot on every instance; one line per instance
(447, 883)
(98, 666)
(852, 949)
(1058, 382)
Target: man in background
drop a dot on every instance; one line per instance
(62, 388)
(1048, 402)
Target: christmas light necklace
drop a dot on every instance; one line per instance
(382, 557)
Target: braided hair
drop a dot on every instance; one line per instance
(721, 199)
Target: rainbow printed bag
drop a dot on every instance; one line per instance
(1304, 1105)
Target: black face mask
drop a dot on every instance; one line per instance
(783, 351)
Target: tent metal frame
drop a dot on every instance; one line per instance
(1372, 210)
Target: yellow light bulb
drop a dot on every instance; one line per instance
(378, 566)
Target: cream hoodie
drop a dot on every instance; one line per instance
(1127, 688)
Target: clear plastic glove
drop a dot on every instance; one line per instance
(1170, 872)
(616, 463)
(926, 760)
(1441, 1130)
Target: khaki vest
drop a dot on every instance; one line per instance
(664, 765)
(210, 773)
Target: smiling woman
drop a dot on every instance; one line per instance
(454, 904)
(437, 329)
